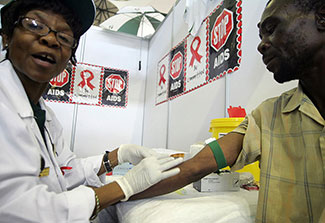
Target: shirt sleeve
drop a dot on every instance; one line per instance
(81, 171)
(251, 143)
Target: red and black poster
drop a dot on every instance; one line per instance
(176, 71)
(89, 84)
(225, 39)
(214, 52)
(60, 86)
(114, 90)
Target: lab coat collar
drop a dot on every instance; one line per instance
(17, 95)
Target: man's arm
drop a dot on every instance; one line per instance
(197, 167)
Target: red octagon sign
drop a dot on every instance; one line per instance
(221, 30)
(60, 80)
(176, 65)
(114, 83)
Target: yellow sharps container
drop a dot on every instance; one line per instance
(220, 127)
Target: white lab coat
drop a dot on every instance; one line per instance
(24, 196)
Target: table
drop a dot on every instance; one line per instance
(187, 205)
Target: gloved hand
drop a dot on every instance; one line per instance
(148, 172)
(134, 153)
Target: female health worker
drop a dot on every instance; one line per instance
(40, 179)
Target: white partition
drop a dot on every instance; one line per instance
(186, 119)
(175, 124)
(104, 128)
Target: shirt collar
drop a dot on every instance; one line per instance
(299, 100)
(295, 101)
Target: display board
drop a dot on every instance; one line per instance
(89, 85)
(198, 60)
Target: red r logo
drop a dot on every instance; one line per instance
(195, 53)
(162, 72)
(86, 79)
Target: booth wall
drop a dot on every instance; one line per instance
(89, 129)
(185, 120)
(176, 124)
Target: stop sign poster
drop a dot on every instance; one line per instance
(115, 87)
(225, 39)
(86, 84)
(162, 80)
(59, 87)
(176, 71)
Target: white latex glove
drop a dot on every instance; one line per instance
(148, 172)
(134, 154)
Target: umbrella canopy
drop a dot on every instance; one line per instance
(163, 6)
(139, 21)
(104, 10)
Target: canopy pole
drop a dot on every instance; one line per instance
(141, 41)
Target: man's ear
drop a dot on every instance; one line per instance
(320, 18)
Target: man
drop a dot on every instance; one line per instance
(285, 133)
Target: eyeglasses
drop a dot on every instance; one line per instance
(42, 29)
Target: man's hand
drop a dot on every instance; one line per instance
(148, 172)
(134, 153)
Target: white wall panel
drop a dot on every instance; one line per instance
(156, 117)
(188, 116)
(184, 120)
(101, 128)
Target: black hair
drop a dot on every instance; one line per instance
(305, 5)
(308, 5)
(18, 8)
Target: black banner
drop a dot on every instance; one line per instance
(223, 36)
(114, 90)
(60, 86)
(176, 71)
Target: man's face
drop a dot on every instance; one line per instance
(288, 40)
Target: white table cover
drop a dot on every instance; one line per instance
(187, 205)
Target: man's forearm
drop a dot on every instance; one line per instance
(191, 170)
(199, 166)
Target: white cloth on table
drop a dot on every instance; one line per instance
(190, 206)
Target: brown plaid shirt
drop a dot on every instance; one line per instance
(287, 135)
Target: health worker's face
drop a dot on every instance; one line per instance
(39, 58)
(287, 40)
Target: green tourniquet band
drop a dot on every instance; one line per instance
(218, 154)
